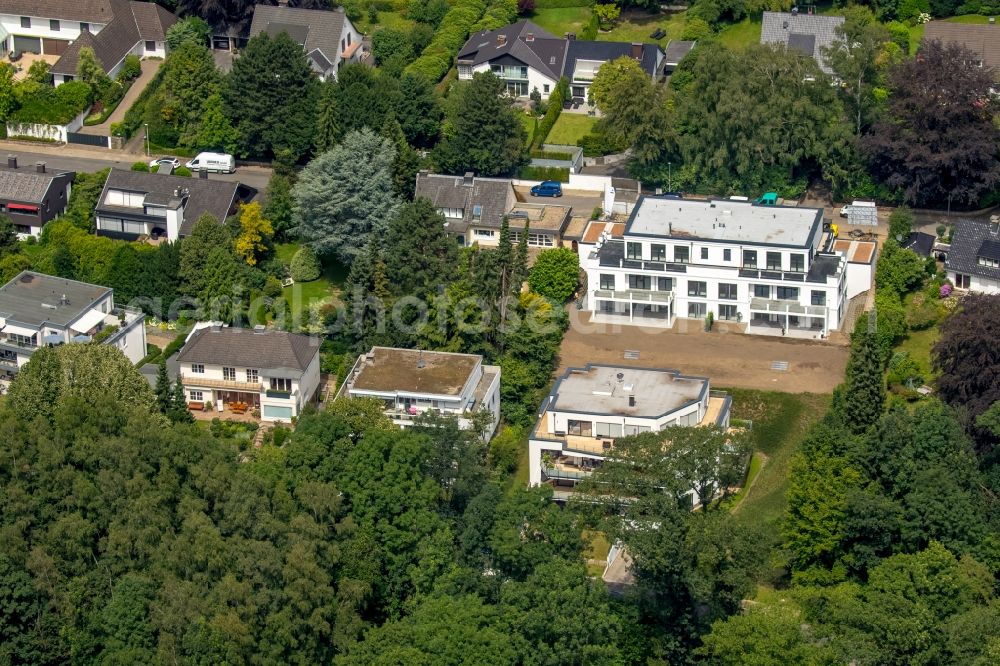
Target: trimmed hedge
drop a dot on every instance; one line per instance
(40, 103)
(556, 100)
(550, 155)
(544, 173)
(498, 14)
(560, 4)
(134, 116)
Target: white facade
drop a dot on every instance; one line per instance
(520, 79)
(19, 340)
(457, 384)
(40, 27)
(588, 408)
(975, 283)
(684, 259)
(279, 393)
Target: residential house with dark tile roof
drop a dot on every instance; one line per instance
(135, 203)
(982, 39)
(973, 261)
(242, 370)
(526, 57)
(804, 32)
(32, 195)
(327, 36)
(60, 28)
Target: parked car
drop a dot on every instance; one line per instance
(171, 162)
(219, 162)
(548, 188)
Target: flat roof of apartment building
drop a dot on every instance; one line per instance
(34, 298)
(603, 389)
(725, 220)
(390, 370)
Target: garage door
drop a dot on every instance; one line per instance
(54, 46)
(29, 44)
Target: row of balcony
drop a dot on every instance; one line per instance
(640, 295)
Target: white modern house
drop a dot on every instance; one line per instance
(766, 266)
(39, 310)
(136, 203)
(58, 29)
(527, 57)
(973, 260)
(239, 370)
(589, 408)
(328, 37)
(411, 381)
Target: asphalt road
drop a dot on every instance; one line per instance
(255, 177)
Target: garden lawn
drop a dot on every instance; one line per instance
(300, 294)
(779, 422)
(919, 344)
(561, 20)
(637, 27)
(529, 126)
(385, 20)
(740, 35)
(570, 128)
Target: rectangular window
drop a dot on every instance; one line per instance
(633, 250)
(697, 288)
(727, 291)
(798, 262)
(704, 253)
(580, 428)
(749, 258)
(962, 281)
(281, 384)
(664, 284)
(761, 291)
(54, 25)
(635, 430)
(252, 376)
(229, 374)
(197, 369)
(545, 88)
(682, 255)
(818, 297)
(697, 310)
(788, 293)
(464, 72)
(658, 252)
(727, 255)
(84, 27)
(485, 233)
(609, 430)
(195, 396)
(728, 312)
(774, 261)
(607, 282)
(25, 22)
(639, 282)
(150, 46)
(477, 212)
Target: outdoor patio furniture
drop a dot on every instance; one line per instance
(196, 406)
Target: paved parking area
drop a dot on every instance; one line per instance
(729, 359)
(582, 202)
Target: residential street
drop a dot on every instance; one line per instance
(80, 158)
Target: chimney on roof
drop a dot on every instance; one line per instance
(259, 329)
(420, 360)
(203, 174)
(631, 401)
(468, 178)
(530, 37)
(63, 300)
(40, 167)
(501, 39)
(637, 50)
(12, 161)
(993, 20)
(795, 11)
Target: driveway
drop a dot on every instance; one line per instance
(149, 68)
(729, 359)
(582, 202)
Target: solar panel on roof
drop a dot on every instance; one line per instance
(803, 43)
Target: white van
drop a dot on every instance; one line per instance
(220, 162)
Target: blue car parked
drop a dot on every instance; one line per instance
(548, 188)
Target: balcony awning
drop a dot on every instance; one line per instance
(88, 321)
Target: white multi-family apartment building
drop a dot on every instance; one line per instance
(39, 310)
(765, 266)
(411, 381)
(239, 370)
(589, 408)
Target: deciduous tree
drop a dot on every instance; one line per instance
(255, 233)
(555, 274)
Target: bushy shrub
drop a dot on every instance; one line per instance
(589, 31)
(556, 273)
(305, 266)
(140, 166)
(525, 6)
(131, 69)
(182, 171)
(40, 103)
(696, 28)
(556, 100)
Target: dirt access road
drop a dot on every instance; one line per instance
(729, 359)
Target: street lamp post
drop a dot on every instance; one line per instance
(147, 138)
(670, 176)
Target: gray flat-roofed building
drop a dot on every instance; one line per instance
(806, 33)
